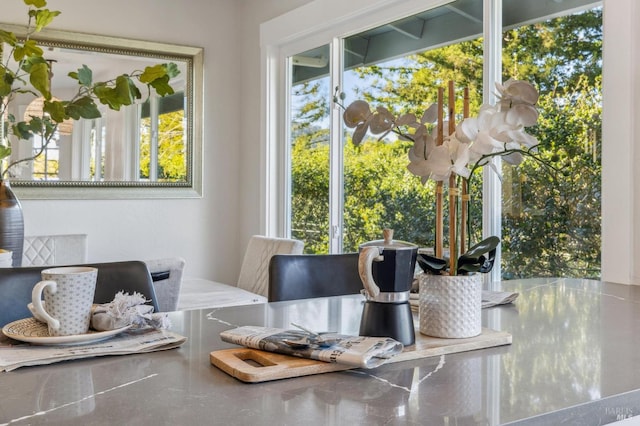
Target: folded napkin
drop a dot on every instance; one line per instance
(489, 299)
(355, 351)
(493, 298)
(127, 310)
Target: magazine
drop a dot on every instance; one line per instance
(15, 354)
(355, 351)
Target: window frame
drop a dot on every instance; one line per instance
(296, 31)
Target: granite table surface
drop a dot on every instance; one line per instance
(574, 360)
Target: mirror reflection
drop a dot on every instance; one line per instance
(150, 144)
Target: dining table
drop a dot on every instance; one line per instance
(573, 360)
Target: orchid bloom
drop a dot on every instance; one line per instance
(438, 162)
(498, 130)
(359, 115)
(501, 128)
(517, 91)
(441, 163)
(419, 153)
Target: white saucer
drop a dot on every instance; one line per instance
(32, 331)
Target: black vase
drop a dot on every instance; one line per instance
(11, 223)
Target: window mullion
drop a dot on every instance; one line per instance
(336, 153)
(491, 186)
(278, 215)
(154, 143)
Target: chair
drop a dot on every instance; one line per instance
(313, 275)
(254, 273)
(16, 285)
(40, 250)
(166, 275)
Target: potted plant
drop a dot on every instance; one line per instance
(448, 154)
(25, 70)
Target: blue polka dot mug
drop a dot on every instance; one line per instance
(68, 298)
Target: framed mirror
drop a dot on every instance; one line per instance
(149, 150)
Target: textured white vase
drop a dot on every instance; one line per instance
(450, 306)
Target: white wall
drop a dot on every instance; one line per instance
(620, 136)
(254, 12)
(211, 232)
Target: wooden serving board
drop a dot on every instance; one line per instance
(253, 366)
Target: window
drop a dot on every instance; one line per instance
(162, 152)
(45, 167)
(379, 190)
(310, 149)
(93, 153)
(94, 167)
(551, 223)
(401, 64)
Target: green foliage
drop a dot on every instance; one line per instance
(556, 53)
(479, 258)
(381, 193)
(552, 226)
(172, 165)
(314, 105)
(310, 194)
(558, 217)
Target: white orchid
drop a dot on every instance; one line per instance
(517, 91)
(437, 162)
(500, 130)
(419, 153)
(359, 115)
(497, 130)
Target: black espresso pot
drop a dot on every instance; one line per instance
(386, 269)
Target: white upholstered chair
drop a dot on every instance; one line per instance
(45, 250)
(167, 281)
(252, 285)
(254, 273)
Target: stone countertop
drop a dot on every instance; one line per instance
(573, 360)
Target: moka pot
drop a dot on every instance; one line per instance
(386, 268)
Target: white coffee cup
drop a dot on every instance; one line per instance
(6, 258)
(68, 295)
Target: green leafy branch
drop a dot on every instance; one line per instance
(31, 75)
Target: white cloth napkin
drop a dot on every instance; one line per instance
(127, 310)
(493, 298)
(489, 299)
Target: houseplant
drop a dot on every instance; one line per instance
(25, 70)
(448, 154)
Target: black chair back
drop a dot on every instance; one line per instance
(303, 276)
(16, 285)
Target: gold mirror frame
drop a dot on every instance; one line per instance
(192, 56)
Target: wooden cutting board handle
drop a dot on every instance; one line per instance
(253, 366)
